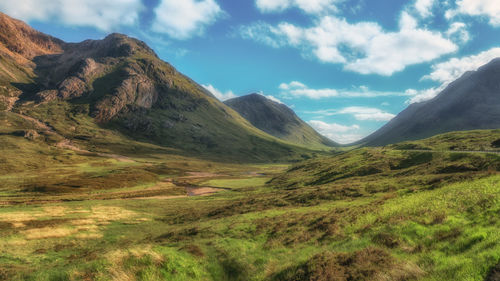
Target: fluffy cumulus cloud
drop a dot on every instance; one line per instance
(450, 70)
(185, 19)
(486, 8)
(308, 6)
(297, 89)
(337, 132)
(103, 15)
(424, 95)
(458, 32)
(361, 113)
(367, 113)
(222, 96)
(424, 7)
(362, 47)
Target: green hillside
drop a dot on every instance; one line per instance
(278, 120)
(119, 84)
(366, 214)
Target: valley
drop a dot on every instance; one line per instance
(370, 213)
(116, 166)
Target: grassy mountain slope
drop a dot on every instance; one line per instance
(478, 140)
(407, 215)
(470, 103)
(278, 120)
(119, 83)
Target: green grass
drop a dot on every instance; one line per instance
(372, 214)
(479, 140)
(238, 183)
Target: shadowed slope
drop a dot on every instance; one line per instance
(470, 103)
(277, 120)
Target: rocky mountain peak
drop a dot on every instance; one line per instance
(22, 43)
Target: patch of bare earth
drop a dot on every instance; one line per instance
(201, 191)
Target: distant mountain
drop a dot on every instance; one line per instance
(277, 120)
(120, 84)
(470, 103)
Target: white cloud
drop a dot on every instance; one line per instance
(185, 19)
(452, 69)
(308, 6)
(425, 95)
(458, 32)
(362, 47)
(361, 113)
(424, 7)
(219, 94)
(486, 8)
(448, 71)
(367, 113)
(336, 132)
(272, 98)
(104, 15)
(297, 89)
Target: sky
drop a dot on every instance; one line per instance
(346, 67)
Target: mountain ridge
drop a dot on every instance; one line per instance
(278, 120)
(472, 102)
(119, 83)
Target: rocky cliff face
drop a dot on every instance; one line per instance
(73, 74)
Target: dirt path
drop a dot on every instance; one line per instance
(201, 191)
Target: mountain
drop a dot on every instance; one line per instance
(277, 120)
(85, 92)
(472, 102)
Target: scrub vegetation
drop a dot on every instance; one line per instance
(133, 213)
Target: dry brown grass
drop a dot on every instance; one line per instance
(118, 257)
(59, 222)
(89, 236)
(48, 232)
(370, 264)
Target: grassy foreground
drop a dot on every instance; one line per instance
(366, 214)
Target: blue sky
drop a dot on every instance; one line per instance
(345, 66)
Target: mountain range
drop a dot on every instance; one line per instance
(120, 84)
(83, 91)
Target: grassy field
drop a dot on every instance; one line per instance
(366, 214)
